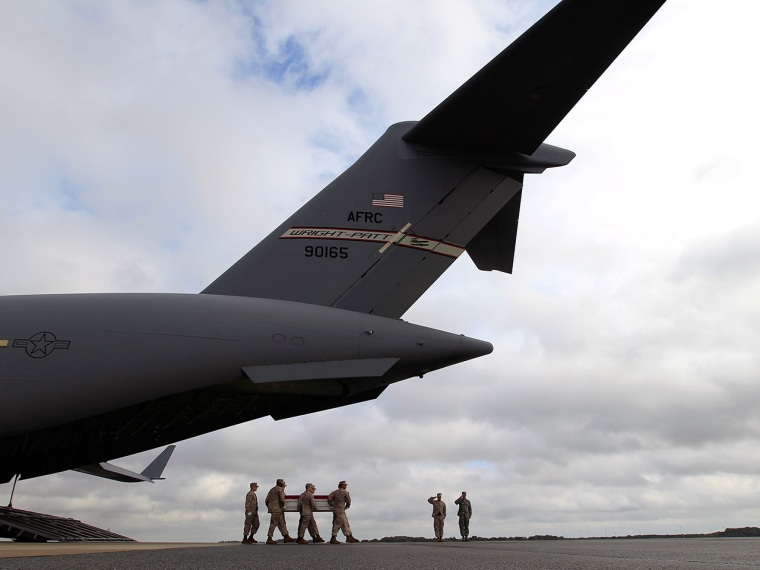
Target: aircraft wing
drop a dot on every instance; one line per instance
(517, 100)
(149, 474)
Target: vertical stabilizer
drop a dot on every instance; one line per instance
(377, 237)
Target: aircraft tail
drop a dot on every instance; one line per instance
(379, 235)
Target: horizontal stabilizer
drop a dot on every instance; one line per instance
(517, 100)
(116, 473)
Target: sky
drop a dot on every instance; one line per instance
(146, 146)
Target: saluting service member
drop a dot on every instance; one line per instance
(465, 512)
(251, 515)
(439, 514)
(340, 500)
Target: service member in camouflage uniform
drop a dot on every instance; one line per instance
(439, 514)
(465, 512)
(275, 502)
(306, 506)
(251, 524)
(340, 500)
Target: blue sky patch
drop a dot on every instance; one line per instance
(70, 197)
(480, 464)
(289, 66)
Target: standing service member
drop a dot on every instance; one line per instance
(275, 503)
(251, 523)
(306, 506)
(340, 500)
(465, 512)
(439, 514)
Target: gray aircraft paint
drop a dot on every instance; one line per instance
(308, 319)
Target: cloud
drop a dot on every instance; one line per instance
(147, 147)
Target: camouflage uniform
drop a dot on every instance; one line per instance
(251, 524)
(275, 502)
(465, 512)
(340, 500)
(306, 506)
(439, 514)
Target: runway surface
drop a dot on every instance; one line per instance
(613, 554)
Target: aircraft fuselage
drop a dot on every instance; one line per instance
(306, 320)
(66, 357)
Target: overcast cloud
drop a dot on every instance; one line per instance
(146, 146)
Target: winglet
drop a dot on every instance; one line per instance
(156, 467)
(116, 473)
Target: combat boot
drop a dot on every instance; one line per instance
(334, 540)
(252, 540)
(318, 539)
(350, 538)
(270, 540)
(245, 539)
(302, 540)
(288, 538)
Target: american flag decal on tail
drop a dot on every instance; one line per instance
(388, 200)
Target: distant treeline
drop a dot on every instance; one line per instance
(737, 532)
(747, 531)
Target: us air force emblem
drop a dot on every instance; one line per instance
(41, 344)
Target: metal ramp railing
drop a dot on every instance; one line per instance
(27, 526)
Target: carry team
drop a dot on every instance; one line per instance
(339, 500)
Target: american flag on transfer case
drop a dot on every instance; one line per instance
(388, 200)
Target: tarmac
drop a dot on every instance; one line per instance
(590, 554)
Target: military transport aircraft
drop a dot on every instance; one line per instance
(309, 319)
